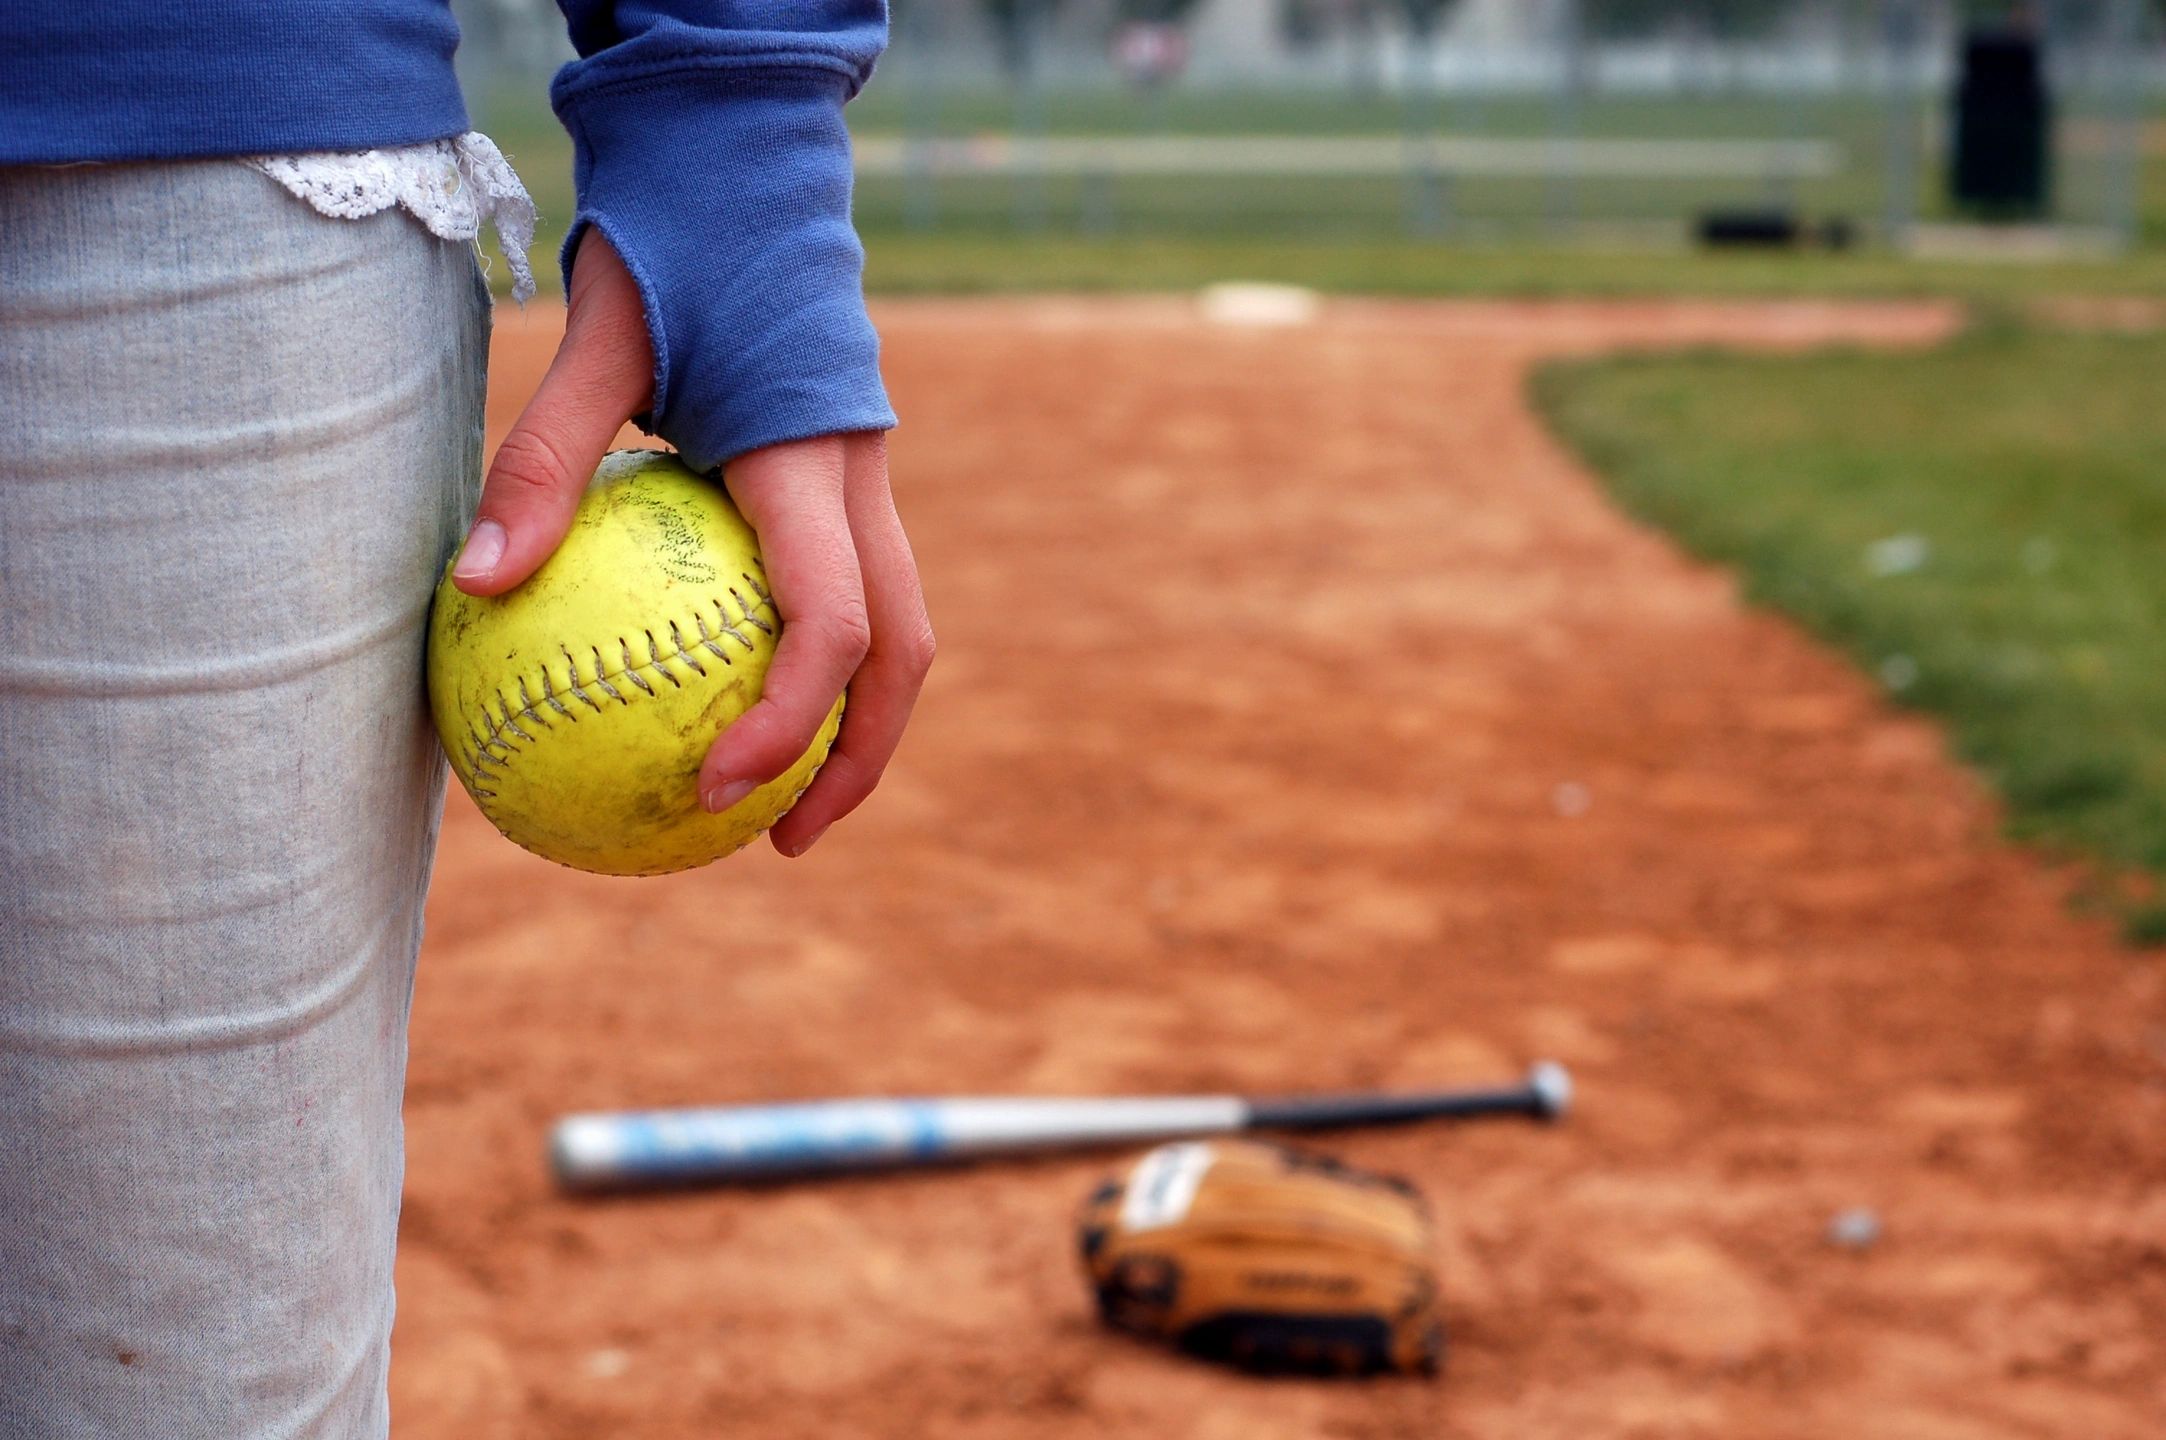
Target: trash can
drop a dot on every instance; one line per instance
(2002, 159)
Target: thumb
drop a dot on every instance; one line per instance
(603, 374)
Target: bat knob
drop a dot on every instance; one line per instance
(1551, 1086)
(583, 1152)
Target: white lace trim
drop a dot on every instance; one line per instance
(450, 186)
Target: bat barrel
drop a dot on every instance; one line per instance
(732, 1143)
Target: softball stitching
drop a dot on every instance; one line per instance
(487, 744)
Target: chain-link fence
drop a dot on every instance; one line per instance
(1574, 120)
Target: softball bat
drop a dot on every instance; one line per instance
(635, 1150)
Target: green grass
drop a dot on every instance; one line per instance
(2021, 469)
(904, 263)
(1332, 207)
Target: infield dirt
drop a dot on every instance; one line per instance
(1306, 718)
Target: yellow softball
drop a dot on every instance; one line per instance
(576, 708)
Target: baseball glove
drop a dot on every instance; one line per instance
(1267, 1258)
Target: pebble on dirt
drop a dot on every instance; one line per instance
(1857, 1228)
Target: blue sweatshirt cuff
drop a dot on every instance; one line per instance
(724, 183)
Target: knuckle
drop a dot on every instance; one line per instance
(847, 630)
(867, 780)
(780, 735)
(528, 464)
(919, 648)
(853, 777)
(846, 784)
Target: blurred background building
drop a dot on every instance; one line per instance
(1830, 122)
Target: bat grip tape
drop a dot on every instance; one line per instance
(1315, 1112)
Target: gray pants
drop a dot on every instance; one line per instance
(238, 442)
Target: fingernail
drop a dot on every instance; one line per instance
(721, 797)
(484, 547)
(808, 842)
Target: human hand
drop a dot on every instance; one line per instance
(837, 560)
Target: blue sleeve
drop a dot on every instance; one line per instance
(709, 148)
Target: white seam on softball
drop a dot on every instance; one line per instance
(486, 745)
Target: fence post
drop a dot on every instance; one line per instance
(921, 122)
(1031, 204)
(2124, 161)
(1422, 108)
(1900, 23)
(1562, 188)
